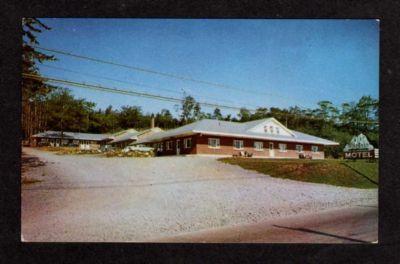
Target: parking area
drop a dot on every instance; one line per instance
(93, 198)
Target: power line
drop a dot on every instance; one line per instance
(107, 78)
(117, 80)
(183, 78)
(162, 89)
(169, 75)
(162, 98)
(120, 91)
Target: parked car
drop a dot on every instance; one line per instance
(105, 148)
(137, 148)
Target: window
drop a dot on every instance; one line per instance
(238, 144)
(299, 148)
(277, 130)
(271, 129)
(213, 142)
(265, 129)
(161, 146)
(282, 147)
(258, 146)
(169, 145)
(187, 142)
(314, 148)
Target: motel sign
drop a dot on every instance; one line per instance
(360, 148)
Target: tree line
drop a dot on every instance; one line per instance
(47, 107)
(64, 112)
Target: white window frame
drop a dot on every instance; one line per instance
(314, 149)
(169, 145)
(258, 143)
(161, 144)
(217, 143)
(241, 144)
(302, 148)
(282, 144)
(185, 142)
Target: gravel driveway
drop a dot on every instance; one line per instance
(93, 198)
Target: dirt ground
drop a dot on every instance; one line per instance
(93, 198)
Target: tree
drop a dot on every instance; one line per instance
(244, 115)
(367, 111)
(187, 108)
(217, 114)
(33, 90)
(197, 111)
(130, 117)
(261, 112)
(228, 118)
(65, 113)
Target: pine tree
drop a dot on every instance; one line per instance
(33, 91)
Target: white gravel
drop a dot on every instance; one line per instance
(92, 198)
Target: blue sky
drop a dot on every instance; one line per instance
(283, 62)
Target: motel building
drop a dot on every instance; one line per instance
(85, 141)
(265, 138)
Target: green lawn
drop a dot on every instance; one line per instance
(357, 174)
(365, 168)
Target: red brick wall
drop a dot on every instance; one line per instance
(200, 146)
(226, 148)
(183, 150)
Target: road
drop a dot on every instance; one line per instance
(81, 198)
(358, 224)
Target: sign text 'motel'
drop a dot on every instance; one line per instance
(359, 155)
(360, 148)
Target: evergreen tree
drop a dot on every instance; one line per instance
(217, 114)
(33, 90)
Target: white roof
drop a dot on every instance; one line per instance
(73, 135)
(236, 129)
(130, 134)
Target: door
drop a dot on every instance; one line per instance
(178, 147)
(271, 150)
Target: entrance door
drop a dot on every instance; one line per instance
(271, 150)
(178, 147)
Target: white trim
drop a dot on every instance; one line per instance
(279, 147)
(210, 133)
(258, 149)
(302, 148)
(312, 151)
(276, 122)
(238, 140)
(178, 147)
(217, 141)
(185, 141)
(169, 145)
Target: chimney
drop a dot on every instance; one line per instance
(152, 121)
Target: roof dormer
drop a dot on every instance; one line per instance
(271, 126)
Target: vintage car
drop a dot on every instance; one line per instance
(137, 148)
